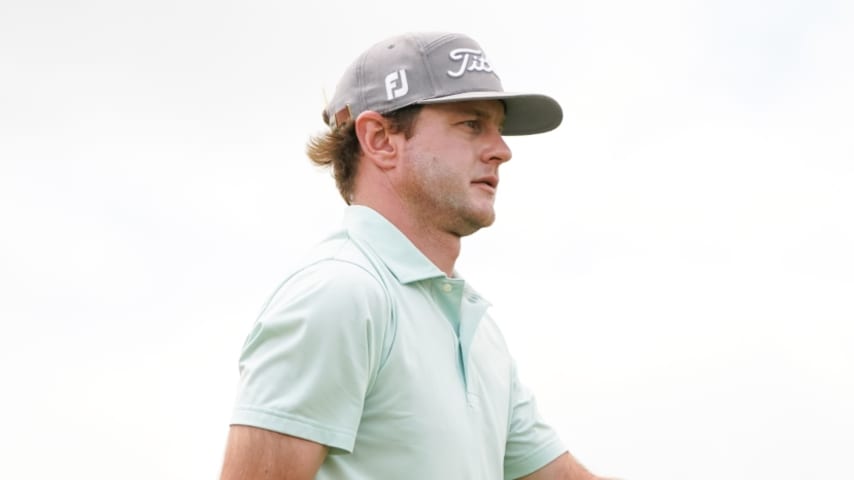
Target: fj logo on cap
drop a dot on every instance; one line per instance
(396, 85)
(470, 61)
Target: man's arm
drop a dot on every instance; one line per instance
(564, 467)
(256, 454)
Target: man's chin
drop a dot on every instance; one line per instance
(474, 223)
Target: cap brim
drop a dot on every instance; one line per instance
(525, 114)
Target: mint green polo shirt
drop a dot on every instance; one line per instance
(368, 348)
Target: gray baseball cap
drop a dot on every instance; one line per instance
(425, 68)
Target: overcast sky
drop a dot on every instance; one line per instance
(672, 267)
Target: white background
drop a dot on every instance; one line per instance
(672, 266)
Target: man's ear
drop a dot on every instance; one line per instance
(378, 144)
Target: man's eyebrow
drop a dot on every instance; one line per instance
(484, 114)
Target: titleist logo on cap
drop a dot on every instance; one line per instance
(470, 61)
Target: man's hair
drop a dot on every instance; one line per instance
(339, 148)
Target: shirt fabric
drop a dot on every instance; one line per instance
(368, 348)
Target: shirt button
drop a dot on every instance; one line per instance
(447, 287)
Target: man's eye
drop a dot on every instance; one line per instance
(472, 124)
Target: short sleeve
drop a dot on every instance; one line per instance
(309, 360)
(531, 444)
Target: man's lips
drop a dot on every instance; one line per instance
(489, 181)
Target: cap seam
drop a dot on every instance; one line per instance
(425, 64)
(360, 82)
(433, 46)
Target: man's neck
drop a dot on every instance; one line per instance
(440, 247)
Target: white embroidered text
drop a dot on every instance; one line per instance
(396, 85)
(470, 61)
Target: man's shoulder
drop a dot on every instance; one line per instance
(339, 254)
(336, 268)
(334, 280)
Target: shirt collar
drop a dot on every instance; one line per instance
(397, 252)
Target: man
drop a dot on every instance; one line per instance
(374, 359)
